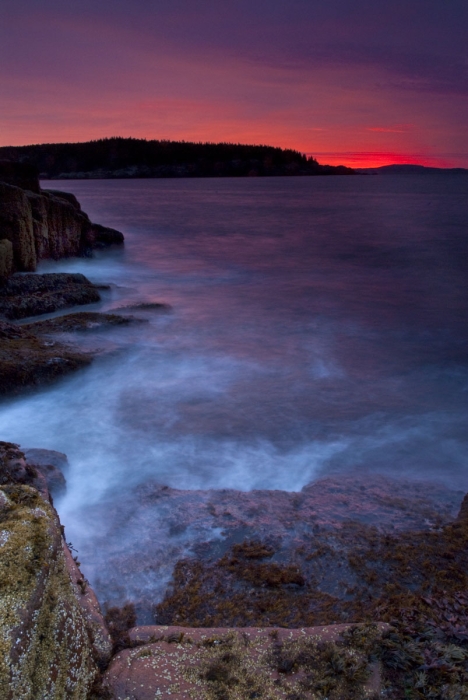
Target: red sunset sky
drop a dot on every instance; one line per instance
(348, 81)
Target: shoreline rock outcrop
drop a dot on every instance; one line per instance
(37, 224)
(262, 557)
(55, 643)
(27, 360)
(6, 258)
(252, 662)
(53, 638)
(25, 295)
(42, 224)
(38, 352)
(16, 226)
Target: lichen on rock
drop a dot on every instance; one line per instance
(53, 640)
(45, 648)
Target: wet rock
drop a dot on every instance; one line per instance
(50, 464)
(119, 620)
(6, 259)
(14, 469)
(80, 321)
(226, 557)
(66, 227)
(44, 224)
(27, 361)
(38, 205)
(32, 295)
(463, 513)
(98, 633)
(103, 236)
(16, 225)
(60, 229)
(41, 457)
(41, 469)
(145, 306)
(67, 196)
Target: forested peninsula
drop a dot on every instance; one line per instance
(140, 158)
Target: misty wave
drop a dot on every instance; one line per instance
(316, 327)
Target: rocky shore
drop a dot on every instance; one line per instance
(57, 644)
(277, 634)
(355, 587)
(37, 224)
(53, 637)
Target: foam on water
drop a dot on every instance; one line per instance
(317, 326)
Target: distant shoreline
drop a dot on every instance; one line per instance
(410, 169)
(123, 158)
(118, 176)
(120, 158)
(395, 170)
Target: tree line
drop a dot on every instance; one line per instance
(131, 157)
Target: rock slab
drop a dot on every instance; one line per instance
(208, 663)
(45, 648)
(26, 295)
(53, 639)
(27, 360)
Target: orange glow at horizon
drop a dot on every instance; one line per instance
(350, 159)
(182, 119)
(370, 159)
(338, 86)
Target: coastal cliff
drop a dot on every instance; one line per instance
(37, 224)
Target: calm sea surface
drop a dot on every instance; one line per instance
(318, 325)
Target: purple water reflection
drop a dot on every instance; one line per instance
(318, 325)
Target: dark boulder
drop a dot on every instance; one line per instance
(50, 464)
(36, 468)
(6, 259)
(103, 236)
(463, 513)
(27, 361)
(67, 196)
(81, 321)
(16, 225)
(61, 229)
(32, 295)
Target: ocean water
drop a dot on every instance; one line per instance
(317, 326)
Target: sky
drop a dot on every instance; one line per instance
(358, 82)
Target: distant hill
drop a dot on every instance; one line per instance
(408, 169)
(138, 158)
